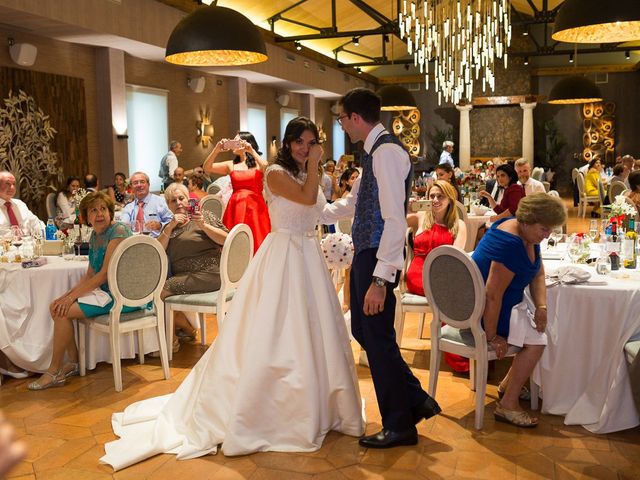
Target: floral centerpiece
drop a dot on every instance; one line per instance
(579, 248)
(621, 210)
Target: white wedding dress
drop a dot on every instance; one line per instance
(280, 374)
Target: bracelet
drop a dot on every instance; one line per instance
(541, 306)
(492, 338)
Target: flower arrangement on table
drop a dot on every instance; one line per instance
(579, 248)
(621, 210)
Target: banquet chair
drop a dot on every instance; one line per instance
(405, 301)
(547, 186)
(462, 213)
(461, 309)
(129, 287)
(51, 205)
(237, 251)
(616, 188)
(213, 188)
(584, 199)
(211, 203)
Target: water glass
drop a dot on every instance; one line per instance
(68, 251)
(603, 264)
(137, 227)
(593, 229)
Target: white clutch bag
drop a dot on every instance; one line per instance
(97, 297)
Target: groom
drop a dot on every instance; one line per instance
(378, 198)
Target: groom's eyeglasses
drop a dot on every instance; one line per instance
(342, 117)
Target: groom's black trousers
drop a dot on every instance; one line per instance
(397, 389)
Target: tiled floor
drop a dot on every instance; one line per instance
(66, 428)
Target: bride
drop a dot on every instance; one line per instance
(280, 374)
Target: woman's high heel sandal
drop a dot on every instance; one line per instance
(519, 418)
(57, 380)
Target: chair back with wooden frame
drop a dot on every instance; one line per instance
(212, 204)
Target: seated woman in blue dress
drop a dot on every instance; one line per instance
(509, 258)
(97, 209)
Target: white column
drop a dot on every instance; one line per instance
(527, 131)
(464, 144)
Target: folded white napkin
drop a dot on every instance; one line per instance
(97, 297)
(571, 275)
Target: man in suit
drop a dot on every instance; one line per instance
(378, 199)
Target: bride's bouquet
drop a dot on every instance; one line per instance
(338, 250)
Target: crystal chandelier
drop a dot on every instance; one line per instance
(462, 37)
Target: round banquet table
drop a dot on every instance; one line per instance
(26, 327)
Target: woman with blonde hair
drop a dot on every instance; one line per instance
(438, 225)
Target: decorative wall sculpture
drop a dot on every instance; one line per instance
(406, 126)
(599, 129)
(25, 146)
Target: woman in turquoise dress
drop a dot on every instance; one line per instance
(508, 257)
(97, 208)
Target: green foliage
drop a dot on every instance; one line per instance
(554, 144)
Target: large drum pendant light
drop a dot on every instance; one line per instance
(396, 97)
(573, 90)
(595, 21)
(215, 35)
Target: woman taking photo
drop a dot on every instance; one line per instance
(98, 209)
(246, 204)
(280, 374)
(508, 257)
(193, 245)
(66, 203)
(507, 179)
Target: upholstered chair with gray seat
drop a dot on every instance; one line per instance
(616, 188)
(237, 252)
(136, 275)
(52, 208)
(213, 188)
(455, 290)
(583, 198)
(212, 204)
(405, 301)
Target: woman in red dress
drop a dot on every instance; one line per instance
(246, 204)
(438, 226)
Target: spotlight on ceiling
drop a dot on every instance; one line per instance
(627, 54)
(298, 45)
(356, 41)
(526, 31)
(359, 70)
(571, 58)
(526, 60)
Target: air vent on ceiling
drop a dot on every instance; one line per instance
(602, 78)
(290, 57)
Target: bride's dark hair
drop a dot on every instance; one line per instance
(294, 130)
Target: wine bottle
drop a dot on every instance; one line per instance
(613, 247)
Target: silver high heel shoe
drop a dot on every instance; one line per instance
(57, 380)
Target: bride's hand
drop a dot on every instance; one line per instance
(315, 154)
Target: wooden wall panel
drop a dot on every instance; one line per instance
(63, 99)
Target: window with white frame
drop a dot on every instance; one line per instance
(286, 115)
(148, 130)
(257, 124)
(338, 141)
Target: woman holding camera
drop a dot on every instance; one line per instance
(194, 246)
(246, 204)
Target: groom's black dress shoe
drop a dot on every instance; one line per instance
(388, 439)
(429, 408)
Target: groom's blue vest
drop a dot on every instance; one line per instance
(368, 223)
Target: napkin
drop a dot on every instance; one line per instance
(97, 297)
(572, 275)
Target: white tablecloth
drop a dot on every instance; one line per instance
(583, 372)
(26, 327)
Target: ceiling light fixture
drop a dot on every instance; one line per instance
(627, 54)
(586, 21)
(215, 35)
(356, 41)
(395, 98)
(298, 45)
(526, 31)
(462, 37)
(571, 58)
(573, 90)
(359, 70)
(526, 60)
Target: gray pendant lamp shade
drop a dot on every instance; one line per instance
(575, 89)
(597, 21)
(395, 97)
(214, 35)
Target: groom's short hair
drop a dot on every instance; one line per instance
(364, 102)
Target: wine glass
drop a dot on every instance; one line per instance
(603, 264)
(137, 227)
(16, 236)
(593, 229)
(554, 237)
(576, 248)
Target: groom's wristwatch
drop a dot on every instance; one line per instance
(379, 282)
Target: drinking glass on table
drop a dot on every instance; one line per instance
(593, 229)
(68, 250)
(137, 227)
(603, 264)
(554, 237)
(16, 236)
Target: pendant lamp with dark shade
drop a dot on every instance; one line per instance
(595, 21)
(395, 97)
(573, 90)
(213, 35)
